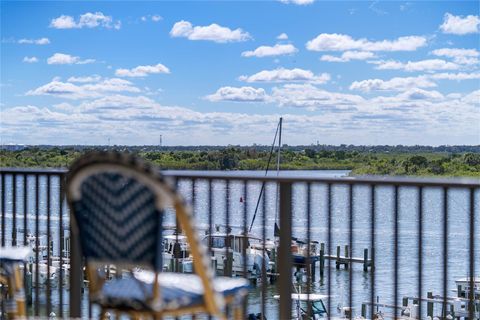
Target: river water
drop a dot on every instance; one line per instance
(458, 208)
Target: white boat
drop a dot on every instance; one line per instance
(222, 243)
(43, 274)
(38, 244)
(176, 248)
(301, 302)
(300, 252)
(463, 285)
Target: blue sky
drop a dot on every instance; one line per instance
(224, 72)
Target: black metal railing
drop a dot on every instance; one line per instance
(407, 241)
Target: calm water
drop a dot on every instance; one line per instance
(458, 206)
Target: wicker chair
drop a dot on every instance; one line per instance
(10, 276)
(118, 204)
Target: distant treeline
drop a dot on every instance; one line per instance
(371, 160)
(299, 148)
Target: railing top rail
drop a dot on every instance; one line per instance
(9, 170)
(226, 175)
(376, 180)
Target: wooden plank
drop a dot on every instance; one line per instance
(343, 259)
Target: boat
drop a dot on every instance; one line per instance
(177, 250)
(300, 252)
(223, 243)
(463, 285)
(302, 302)
(299, 248)
(45, 274)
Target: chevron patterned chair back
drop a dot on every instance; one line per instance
(117, 204)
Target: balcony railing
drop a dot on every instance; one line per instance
(394, 245)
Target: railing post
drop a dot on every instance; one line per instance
(285, 254)
(76, 274)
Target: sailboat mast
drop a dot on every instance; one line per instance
(279, 126)
(276, 231)
(279, 145)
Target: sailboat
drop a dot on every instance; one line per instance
(301, 250)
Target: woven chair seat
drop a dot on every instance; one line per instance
(177, 291)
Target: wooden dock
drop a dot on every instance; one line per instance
(347, 260)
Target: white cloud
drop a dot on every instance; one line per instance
(422, 65)
(311, 97)
(472, 98)
(266, 51)
(348, 56)
(70, 90)
(286, 75)
(460, 56)
(94, 78)
(63, 22)
(460, 25)
(422, 116)
(154, 18)
(394, 84)
(62, 58)
(238, 94)
(420, 94)
(297, 2)
(456, 76)
(86, 20)
(343, 42)
(30, 59)
(41, 41)
(142, 71)
(282, 36)
(213, 32)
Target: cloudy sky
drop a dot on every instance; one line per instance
(218, 73)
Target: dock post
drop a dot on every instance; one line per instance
(29, 284)
(172, 265)
(229, 265)
(459, 291)
(322, 259)
(337, 262)
(372, 259)
(430, 305)
(312, 269)
(274, 266)
(405, 301)
(347, 255)
(364, 310)
(365, 260)
(225, 266)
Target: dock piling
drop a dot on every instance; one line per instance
(365, 260)
(337, 262)
(430, 305)
(347, 256)
(28, 284)
(322, 259)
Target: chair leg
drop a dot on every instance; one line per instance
(103, 314)
(16, 294)
(20, 298)
(238, 312)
